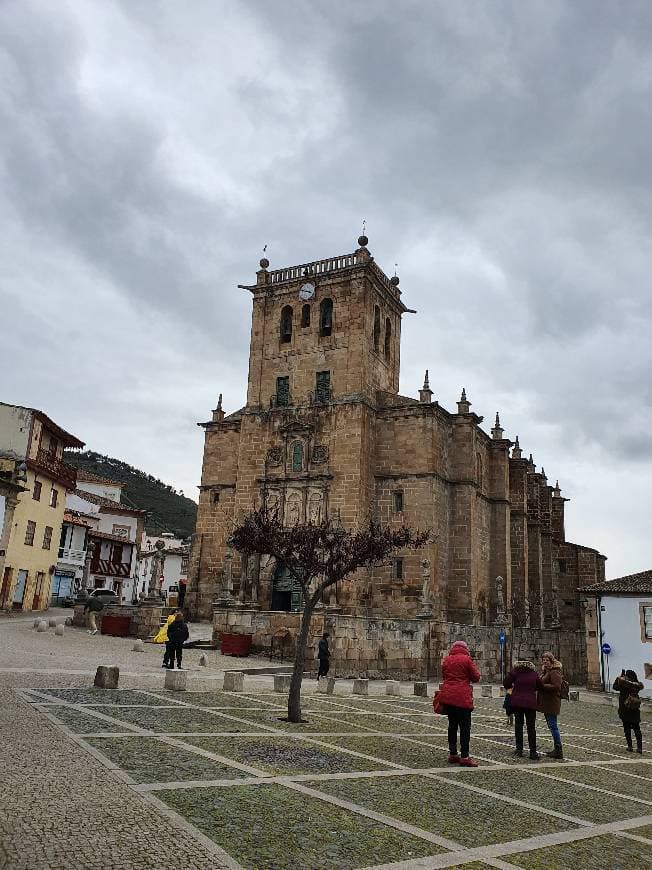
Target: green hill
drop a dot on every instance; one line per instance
(167, 509)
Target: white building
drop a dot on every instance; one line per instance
(623, 608)
(114, 535)
(73, 548)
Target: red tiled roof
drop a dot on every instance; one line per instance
(107, 536)
(89, 477)
(75, 520)
(631, 583)
(107, 504)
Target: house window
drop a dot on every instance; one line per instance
(36, 492)
(30, 531)
(388, 338)
(52, 448)
(283, 391)
(286, 324)
(398, 501)
(322, 387)
(47, 537)
(116, 554)
(54, 497)
(398, 569)
(646, 622)
(305, 316)
(297, 456)
(376, 328)
(216, 497)
(326, 317)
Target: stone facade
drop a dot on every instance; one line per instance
(325, 432)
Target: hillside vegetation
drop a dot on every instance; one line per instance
(167, 509)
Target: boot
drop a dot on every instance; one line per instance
(534, 756)
(557, 752)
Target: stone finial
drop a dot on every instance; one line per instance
(516, 449)
(218, 413)
(463, 405)
(531, 466)
(497, 431)
(425, 393)
(556, 492)
(543, 473)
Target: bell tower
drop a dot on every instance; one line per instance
(324, 331)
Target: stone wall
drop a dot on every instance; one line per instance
(404, 648)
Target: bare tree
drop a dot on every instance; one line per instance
(318, 555)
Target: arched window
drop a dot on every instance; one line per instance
(388, 338)
(376, 328)
(286, 324)
(305, 316)
(326, 317)
(297, 456)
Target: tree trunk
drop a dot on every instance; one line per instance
(294, 698)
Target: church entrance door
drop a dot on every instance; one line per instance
(286, 592)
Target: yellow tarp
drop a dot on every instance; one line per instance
(162, 635)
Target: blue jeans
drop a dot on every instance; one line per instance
(551, 722)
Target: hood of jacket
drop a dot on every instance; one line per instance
(524, 665)
(459, 648)
(555, 666)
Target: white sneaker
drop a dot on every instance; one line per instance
(88, 631)
(96, 631)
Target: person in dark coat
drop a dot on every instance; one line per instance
(629, 707)
(524, 682)
(550, 700)
(456, 695)
(94, 605)
(324, 656)
(178, 634)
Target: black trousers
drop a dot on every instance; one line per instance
(324, 666)
(173, 650)
(459, 719)
(628, 727)
(166, 654)
(530, 716)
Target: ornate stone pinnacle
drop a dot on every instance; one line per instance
(426, 385)
(219, 403)
(497, 419)
(463, 396)
(516, 450)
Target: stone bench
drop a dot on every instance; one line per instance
(421, 689)
(233, 681)
(392, 687)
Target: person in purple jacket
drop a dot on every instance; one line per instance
(525, 682)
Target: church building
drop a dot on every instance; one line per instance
(325, 432)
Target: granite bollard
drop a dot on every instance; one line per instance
(392, 687)
(138, 646)
(59, 630)
(176, 681)
(233, 681)
(42, 625)
(421, 689)
(486, 691)
(361, 687)
(282, 682)
(107, 677)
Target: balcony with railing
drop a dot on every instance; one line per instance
(48, 464)
(72, 557)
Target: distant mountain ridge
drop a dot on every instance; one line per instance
(167, 509)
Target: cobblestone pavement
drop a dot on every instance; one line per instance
(139, 777)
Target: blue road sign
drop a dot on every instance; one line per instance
(502, 637)
(606, 648)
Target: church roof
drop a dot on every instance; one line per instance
(630, 584)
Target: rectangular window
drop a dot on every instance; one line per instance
(305, 316)
(54, 497)
(47, 537)
(29, 533)
(283, 391)
(646, 622)
(398, 501)
(322, 387)
(216, 497)
(36, 492)
(398, 569)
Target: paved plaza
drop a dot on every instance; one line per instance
(140, 777)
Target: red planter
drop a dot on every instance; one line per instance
(117, 626)
(235, 644)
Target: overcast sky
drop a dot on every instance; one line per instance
(501, 154)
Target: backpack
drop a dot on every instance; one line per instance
(564, 689)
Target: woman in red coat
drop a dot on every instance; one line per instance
(456, 694)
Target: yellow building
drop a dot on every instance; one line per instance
(31, 449)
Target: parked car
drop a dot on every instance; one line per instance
(107, 596)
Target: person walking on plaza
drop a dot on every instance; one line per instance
(629, 707)
(524, 682)
(178, 634)
(550, 700)
(324, 656)
(183, 585)
(459, 671)
(92, 607)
